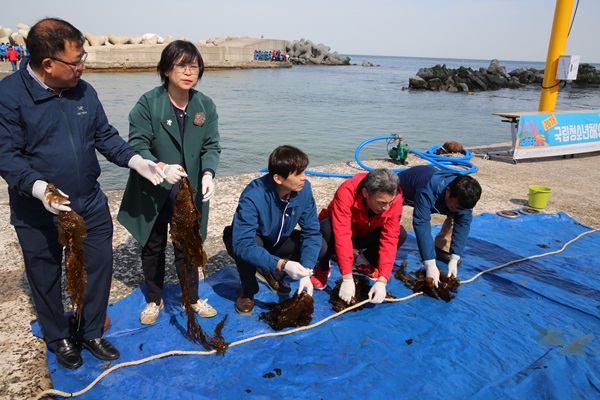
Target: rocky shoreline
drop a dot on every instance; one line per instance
(495, 77)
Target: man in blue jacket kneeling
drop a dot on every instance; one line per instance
(262, 239)
(431, 190)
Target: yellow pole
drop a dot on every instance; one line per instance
(556, 48)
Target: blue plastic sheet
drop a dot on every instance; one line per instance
(528, 330)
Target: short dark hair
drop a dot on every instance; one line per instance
(467, 190)
(381, 180)
(47, 38)
(187, 51)
(285, 160)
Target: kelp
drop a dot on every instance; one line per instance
(185, 232)
(417, 281)
(71, 235)
(291, 312)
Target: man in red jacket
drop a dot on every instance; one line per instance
(362, 225)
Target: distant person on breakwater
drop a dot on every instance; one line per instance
(431, 190)
(51, 125)
(362, 226)
(177, 126)
(3, 49)
(13, 57)
(262, 238)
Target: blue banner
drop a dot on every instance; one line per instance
(557, 133)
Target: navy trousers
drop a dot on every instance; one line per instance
(43, 265)
(289, 248)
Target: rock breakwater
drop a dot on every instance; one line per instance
(495, 77)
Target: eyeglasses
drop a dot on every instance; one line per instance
(76, 65)
(180, 68)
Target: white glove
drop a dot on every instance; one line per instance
(173, 173)
(146, 168)
(432, 271)
(295, 270)
(347, 290)
(453, 265)
(377, 292)
(305, 283)
(208, 187)
(39, 192)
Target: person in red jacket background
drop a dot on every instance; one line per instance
(362, 225)
(13, 57)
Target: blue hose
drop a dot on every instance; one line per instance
(440, 161)
(467, 154)
(363, 144)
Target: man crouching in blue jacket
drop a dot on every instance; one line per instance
(431, 190)
(51, 124)
(262, 239)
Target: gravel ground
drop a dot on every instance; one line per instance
(505, 186)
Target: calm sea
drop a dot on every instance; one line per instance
(329, 111)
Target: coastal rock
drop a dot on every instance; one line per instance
(17, 39)
(495, 77)
(306, 52)
(118, 39)
(367, 63)
(94, 40)
(23, 29)
(587, 75)
(5, 34)
(152, 38)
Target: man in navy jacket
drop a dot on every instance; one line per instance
(262, 239)
(431, 190)
(51, 125)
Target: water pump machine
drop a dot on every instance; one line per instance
(398, 153)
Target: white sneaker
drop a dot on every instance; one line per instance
(150, 313)
(203, 309)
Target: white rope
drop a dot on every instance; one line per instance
(289, 332)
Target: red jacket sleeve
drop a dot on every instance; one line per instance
(390, 232)
(341, 221)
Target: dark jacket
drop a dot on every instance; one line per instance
(424, 188)
(154, 132)
(261, 212)
(54, 138)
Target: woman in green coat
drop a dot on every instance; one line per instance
(176, 126)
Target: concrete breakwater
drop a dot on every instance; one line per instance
(464, 79)
(228, 53)
(118, 53)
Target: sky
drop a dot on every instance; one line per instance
(515, 30)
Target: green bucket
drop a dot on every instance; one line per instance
(538, 196)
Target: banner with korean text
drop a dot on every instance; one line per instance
(557, 133)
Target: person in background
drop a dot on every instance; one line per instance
(51, 125)
(13, 57)
(3, 49)
(362, 225)
(431, 190)
(177, 126)
(262, 239)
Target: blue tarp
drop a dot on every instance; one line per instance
(528, 330)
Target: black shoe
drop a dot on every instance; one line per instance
(67, 353)
(276, 286)
(443, 256)
(100, 348)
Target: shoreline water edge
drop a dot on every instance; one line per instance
(505, 186)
